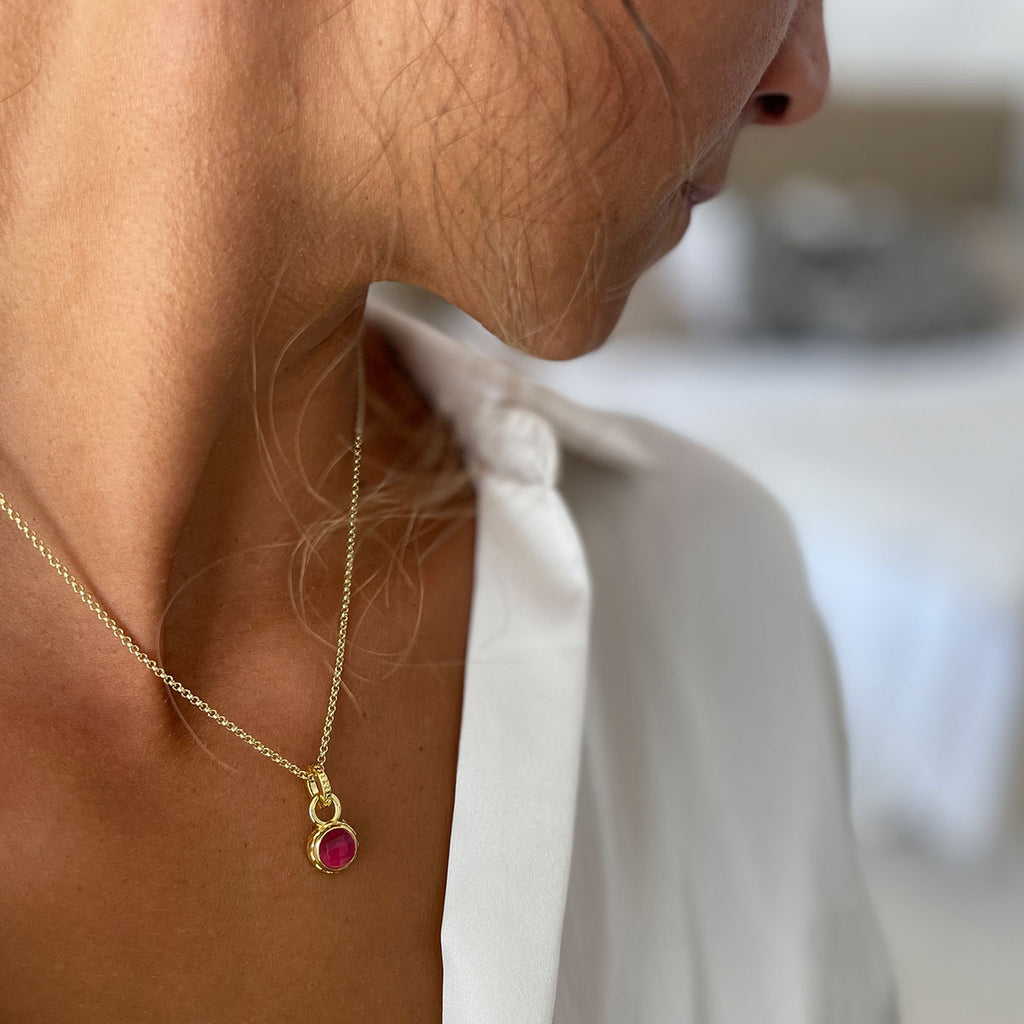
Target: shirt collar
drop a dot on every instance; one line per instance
(520, 738)
(488, 402)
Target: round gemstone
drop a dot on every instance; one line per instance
(336, 848)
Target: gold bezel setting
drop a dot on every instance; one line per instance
(317, 836)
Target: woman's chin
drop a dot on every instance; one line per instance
(674, 232)
(591, 328)
(575, 332)
(561, 332)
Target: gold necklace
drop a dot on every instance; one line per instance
(332, 844)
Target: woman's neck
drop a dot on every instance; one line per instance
(116, 452)
(155, 247)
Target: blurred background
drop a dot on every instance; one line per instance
(847, 323)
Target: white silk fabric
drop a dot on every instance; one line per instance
(650, 821)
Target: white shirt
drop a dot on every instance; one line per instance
(650, 820)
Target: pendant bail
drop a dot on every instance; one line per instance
(319, 785)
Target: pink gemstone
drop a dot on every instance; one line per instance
(336, 848)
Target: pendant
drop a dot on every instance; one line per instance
(332, 844)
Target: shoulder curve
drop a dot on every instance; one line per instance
(685, 473)
(633, 442)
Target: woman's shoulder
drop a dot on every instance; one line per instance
(690, 555)
(714, 729)
(673, 496)
(700, 595)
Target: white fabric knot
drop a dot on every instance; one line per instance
(516, 442)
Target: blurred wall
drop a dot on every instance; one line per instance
(953, 46)
(959, 50)
(938, 150)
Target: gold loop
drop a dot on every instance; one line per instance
(318, 784)
(335, 807)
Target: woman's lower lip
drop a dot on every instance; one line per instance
(679, 228)
(702, 193)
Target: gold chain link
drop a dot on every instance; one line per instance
(126, 639)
